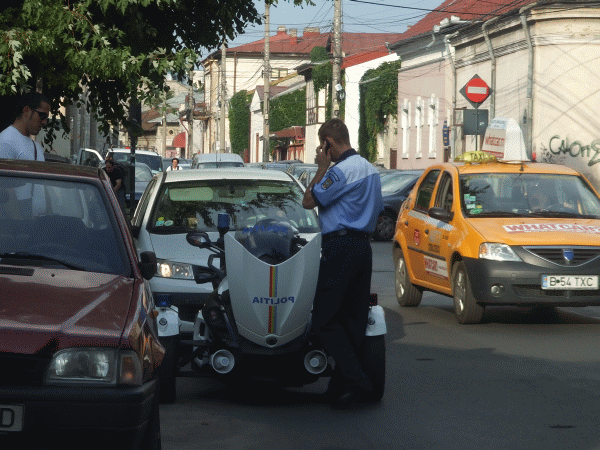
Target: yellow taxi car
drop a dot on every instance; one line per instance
(490, 232)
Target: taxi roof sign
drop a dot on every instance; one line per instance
(504, 139)
(478, 156)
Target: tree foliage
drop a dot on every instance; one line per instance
(378, 100)
(112, 48)
(239, 121)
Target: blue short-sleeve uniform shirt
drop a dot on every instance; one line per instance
(349, 195)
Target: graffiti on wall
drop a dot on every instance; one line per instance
(559, 149)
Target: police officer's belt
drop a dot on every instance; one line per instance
(346, 232)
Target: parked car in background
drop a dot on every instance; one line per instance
(211, 160)
(275, 166)
(297, 168)
(143, 175)
(79, 347)
(488, 232)
(395, 187)
(307, 175)
(151, 159)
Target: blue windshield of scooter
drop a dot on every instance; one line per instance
(269, 240)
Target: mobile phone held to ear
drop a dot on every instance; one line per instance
(326, 148)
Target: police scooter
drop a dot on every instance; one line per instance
(256, 325)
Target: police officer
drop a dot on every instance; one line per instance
(348, 196)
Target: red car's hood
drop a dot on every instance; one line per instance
(60, 308)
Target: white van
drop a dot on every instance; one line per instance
(205, 160)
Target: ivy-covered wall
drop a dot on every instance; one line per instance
(288, 110)
(378, 99)
(239, 121)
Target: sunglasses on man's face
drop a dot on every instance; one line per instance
(43, 115)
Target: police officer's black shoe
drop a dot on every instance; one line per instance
(352, 392)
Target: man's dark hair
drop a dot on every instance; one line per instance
(336, 129)
(32, 99)
(175, 159)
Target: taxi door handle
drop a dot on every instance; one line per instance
(426, 231)
(406, 223)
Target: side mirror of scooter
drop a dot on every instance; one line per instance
(198, 239)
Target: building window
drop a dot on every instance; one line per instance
(432, 121)
(405, 124)
(419, 122)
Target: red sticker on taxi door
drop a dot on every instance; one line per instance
(417, 237)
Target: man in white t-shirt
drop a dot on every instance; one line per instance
(174, 165)
(16, 140)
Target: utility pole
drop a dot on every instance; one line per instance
(337, 55)
(164, 127)
(267, 83)
(223, 96)
(190, 109)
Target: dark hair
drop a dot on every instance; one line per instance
(109, 160)
(32, 99)
(175, 159)
(336, 129)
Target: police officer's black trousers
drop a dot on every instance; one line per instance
(341, 306)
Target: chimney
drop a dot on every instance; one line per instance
(293, 35)
(281, 29)
(311, 30)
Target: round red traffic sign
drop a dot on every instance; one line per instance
(476, 90)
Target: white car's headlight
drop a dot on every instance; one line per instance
(497, 252)
(102, 366)
(170, 269)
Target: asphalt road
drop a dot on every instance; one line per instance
(522, 379)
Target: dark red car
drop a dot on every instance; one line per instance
(79, 349)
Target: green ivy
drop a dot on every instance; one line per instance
(322, 74)
(378, 99)
(239, 121)
(288, 110)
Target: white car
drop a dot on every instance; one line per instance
(177, 202)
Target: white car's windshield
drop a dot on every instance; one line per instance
(536, 195)
(195, 205)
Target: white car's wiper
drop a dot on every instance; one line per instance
(30, 256)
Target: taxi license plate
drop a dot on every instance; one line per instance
(568, 282)
(11, 417)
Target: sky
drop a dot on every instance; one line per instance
(358, 16)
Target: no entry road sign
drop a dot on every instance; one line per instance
(476, 91)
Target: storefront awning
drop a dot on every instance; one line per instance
(179, 140)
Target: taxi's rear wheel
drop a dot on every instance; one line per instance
(406, 293)
(465, 307)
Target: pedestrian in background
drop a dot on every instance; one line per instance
(16, 141)
(348, 196)
(174, 165)
(116, 175)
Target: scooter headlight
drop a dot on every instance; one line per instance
(170, 269)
